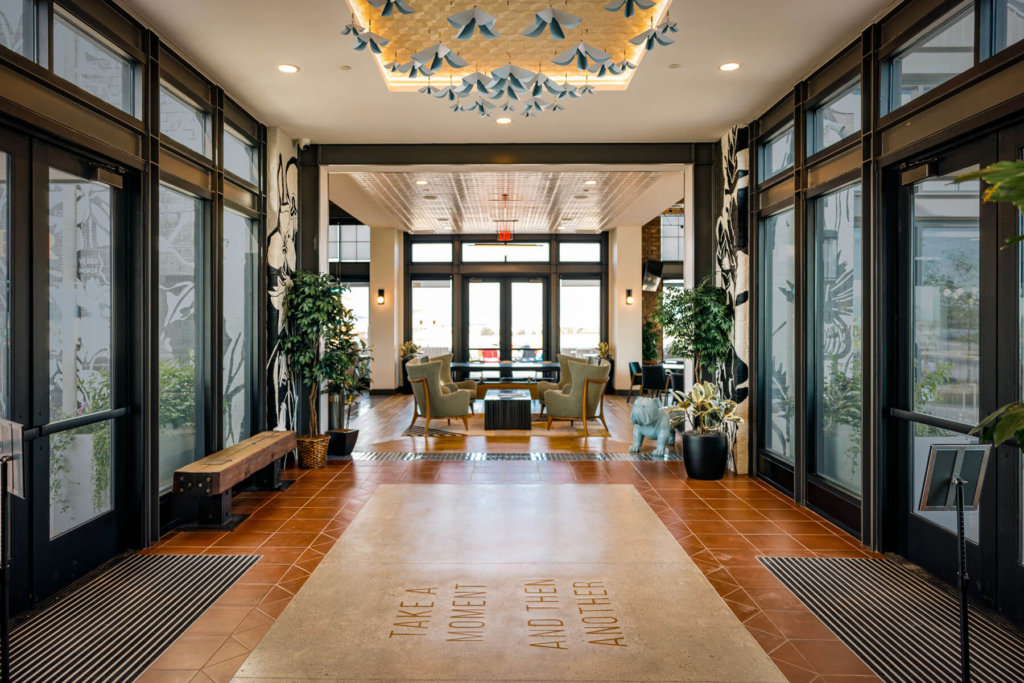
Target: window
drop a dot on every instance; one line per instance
(184, 122)
(579, 252)
(673, 248)
(777, 153)
(1009, 17)
(182, 218)
(667, 340)
(432, 252)
(349, 243)
(432, 316)
(5, 286)
(357, 299)
(92, 64)
(932, 59)
(241, 157)
(17, 26)
(512, 252)
(527, 319)
(835, 119)
(838, 314)
(579, 322)
(241, 261)
(779, 352)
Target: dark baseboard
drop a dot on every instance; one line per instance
(383, 392)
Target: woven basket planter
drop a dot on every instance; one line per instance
(313, 451)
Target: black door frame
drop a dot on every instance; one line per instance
(505, 282)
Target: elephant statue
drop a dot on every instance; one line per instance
(652, 422)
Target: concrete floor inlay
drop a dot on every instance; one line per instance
(508, 582)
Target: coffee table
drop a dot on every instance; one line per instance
(508, 409)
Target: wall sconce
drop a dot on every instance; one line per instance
(380, 297)
(629, 297)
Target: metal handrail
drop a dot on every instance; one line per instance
(75, 423)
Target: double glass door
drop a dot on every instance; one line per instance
(959, 328)
(62, 310)
(505, 320)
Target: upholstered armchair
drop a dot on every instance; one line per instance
(448, 385)
(584, 399)
(564, 377)
(431, 402)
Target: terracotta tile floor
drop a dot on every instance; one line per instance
(724, 526)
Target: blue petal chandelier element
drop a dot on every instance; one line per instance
(534, 104)
(656, 36)
(630, 6)
(389, 7)
(557, 107)
(352, 28)
(541, 82)
(509, 79)
(436, 55)
(475, 80)
(482, 107)
(555, 20)
(602, 69)
(582, 53)
(371, 40)
(473, 19)
(414, 69)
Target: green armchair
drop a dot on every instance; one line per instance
(431, 401)
(564, 377)
(585, 398)
(448, 385)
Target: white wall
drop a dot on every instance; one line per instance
(625, 322)
(386, 321)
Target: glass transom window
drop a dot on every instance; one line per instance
(184, 122)
(579, 252)
(348, 243)
(932, 59)
(673, 248)
(93, 65)
(432, 252)
(777, 153)
(512, 252)
(836, 119)
(241, 157)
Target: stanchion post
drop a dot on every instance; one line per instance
(965, 651)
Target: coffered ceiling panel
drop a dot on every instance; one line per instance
(524, 202)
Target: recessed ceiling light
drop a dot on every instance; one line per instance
(674, 66)
(581, 196)
(503, 121)
(345, 67)
(422, 182)
(590, 182)
(287, 68)
(442, 218)
(430, 196)
(729, 66)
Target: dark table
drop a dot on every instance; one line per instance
(508, 366)
(508, 409)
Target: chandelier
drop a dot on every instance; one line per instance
(493, 59)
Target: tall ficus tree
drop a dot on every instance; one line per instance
(314, 315)
(699, 321)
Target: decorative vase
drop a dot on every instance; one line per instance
(313, 451)
(343, 442)
(705, 456)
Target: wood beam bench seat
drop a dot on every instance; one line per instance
(213, 477)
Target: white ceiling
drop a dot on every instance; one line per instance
(239, 43)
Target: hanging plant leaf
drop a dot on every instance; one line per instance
(583, 54)
(555, 20)
(630, 6)
(388, 7)
(472, 19)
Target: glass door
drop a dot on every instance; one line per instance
(77, 353)
(505, 320)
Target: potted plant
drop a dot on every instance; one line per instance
(699, 321)
(350, 377)
(649, 343)
(604, 352)
(312, 309)
(706, 446)
(408, 351)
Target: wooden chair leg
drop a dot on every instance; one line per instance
(601, 417)
(586, 432)
(415, 416)
(549, 422)
(427, 428)
(465, 422)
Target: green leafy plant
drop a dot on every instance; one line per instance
(409, 350)
(312, 310)
(177, 377)
(699, 320)
(349, 359)
(604, 351)
(649, 340)
(704, 408)
(96, 394)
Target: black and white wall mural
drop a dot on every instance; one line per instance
(732, 264)
(283, 224)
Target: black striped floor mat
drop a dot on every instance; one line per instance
(113, 625)
(903, 623)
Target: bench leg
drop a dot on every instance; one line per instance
(215, 510)
(268, 478)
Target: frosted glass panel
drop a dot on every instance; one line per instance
(241, 287)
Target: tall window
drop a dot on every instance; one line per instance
(184, 122)
(579, 308)
(668, 339)
(91, 63)
(779, 352)
(348, 243)
(673, 246)
(432, 316)
(932, 59)
(777, 153)
(838, 314)
(357, 299)
(835, 119)
(241, 288)
(182, 218)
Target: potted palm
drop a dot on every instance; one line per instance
(312, 308)
(699, 321)
(706, 445)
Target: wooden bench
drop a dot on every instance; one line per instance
(213, 477)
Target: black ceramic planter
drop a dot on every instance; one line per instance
(343, 441)
(705, 457)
